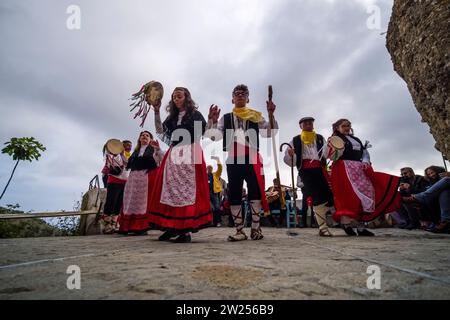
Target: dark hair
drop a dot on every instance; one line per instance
(408, 169)
(138, 145)
(336, 125)
(436, 169)
(126, 141)
(189, 105)
(241, 87)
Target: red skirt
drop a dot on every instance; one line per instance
(187, 218)
(136, 203)
(346, 201)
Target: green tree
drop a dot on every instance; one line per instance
(22, 149)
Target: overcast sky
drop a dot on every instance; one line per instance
(70, 88)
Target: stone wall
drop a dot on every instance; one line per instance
(418, 40)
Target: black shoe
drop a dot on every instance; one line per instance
(365, 233)
(140, 233)
(166, 236)
(411, 226)
(182, 238)
(443, 227)
(349, 231)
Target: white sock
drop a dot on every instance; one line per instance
(321, 214)
(256, 209)
(236, 212)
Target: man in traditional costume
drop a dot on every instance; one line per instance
(307, 154)
(240, 130)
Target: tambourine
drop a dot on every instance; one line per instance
(114, 146)
(336, 147)
(154, 92)
(150, 94)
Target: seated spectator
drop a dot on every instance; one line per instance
(432, 174)
(411, 212)
(274, 200)
(439, 192)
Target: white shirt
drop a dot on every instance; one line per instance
(357, 146)
(142, 150)
(158, 155)
(309, 152)
(180, 117)
(215, 130)
(118, 160)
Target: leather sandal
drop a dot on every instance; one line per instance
(239, 236)
(256, 234)
(325, 233)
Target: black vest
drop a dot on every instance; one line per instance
(188, 123)
(349, 153)
(298, 147)
(145, 162)
(251, 132)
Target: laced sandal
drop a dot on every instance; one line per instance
(239, 236)
(256, 234)
(325, 233)
(108, 230)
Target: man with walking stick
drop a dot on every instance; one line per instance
(308, 155)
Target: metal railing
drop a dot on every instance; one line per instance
(94, 183)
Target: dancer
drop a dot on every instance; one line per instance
(143, 164)
(127, 144)
(240, 130)
(117, 178)
(307, 154)
(360, 194)
(179, 203)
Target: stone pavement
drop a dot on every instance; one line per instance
(413, 265)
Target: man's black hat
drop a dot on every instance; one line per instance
(306, 119)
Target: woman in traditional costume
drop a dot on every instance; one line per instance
(117, 178)
(143, 165)
(179, 203)
(360, 193)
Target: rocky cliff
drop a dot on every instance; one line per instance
(418, 40)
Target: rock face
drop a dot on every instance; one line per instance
(418, 40)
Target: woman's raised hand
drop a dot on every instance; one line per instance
(155, 144)
(157, 106)
(214, 113)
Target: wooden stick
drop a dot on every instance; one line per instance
(274, 146)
